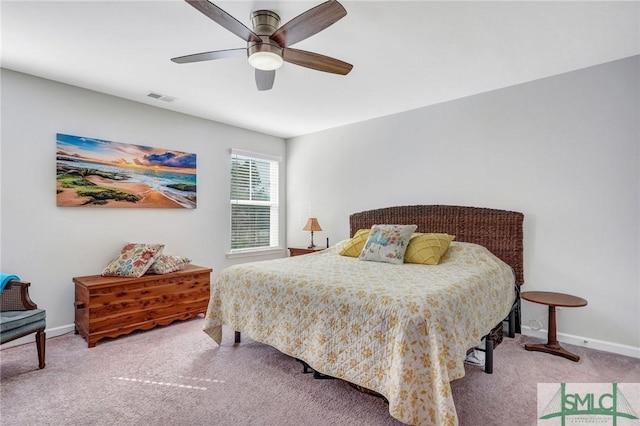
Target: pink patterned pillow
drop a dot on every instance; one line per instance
(166, 264)
(133, 261)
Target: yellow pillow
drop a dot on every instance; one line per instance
(354, 246)
(427, 249)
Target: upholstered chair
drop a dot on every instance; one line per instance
(20, 317)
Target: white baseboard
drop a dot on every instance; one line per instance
(586, 342)
(571, 339)
(51, 332)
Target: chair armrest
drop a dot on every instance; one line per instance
(15, 297)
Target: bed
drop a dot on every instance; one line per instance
(402, 331)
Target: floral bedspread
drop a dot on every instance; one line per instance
(400, 330)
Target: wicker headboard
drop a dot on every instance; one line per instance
(498, 230)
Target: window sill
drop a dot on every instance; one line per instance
(253, 253)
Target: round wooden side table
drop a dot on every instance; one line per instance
(552, 300)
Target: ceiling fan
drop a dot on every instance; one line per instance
(268, 43)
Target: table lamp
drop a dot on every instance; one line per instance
(312, 225)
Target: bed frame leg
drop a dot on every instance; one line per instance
(518, 317)
(236, 338)
(512, 322)
(305, 367)
(514, 316)
(488, 362)
(514, 327)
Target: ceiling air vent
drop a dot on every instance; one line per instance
(161, 97)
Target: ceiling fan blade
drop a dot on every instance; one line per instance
(264, 79)
(221, 17)
(309, 23)
(209, 56)
(316, 61)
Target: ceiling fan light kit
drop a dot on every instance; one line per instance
(268, 44)
(265, 61)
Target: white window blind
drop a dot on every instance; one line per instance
(254, 201)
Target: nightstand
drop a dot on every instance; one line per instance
(297, 251)
(552, 300)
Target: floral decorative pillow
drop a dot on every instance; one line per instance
(387, 243)
(134, 260)
(354, 246)
(427, 249)
(165, 264)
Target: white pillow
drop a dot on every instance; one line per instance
(387, 243)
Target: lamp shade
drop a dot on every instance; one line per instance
(312, 225)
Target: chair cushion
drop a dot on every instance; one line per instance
(32, 327)
(10, 320)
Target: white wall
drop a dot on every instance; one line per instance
(562, 150)
(49, 245)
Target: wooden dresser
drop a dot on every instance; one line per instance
(113, 306)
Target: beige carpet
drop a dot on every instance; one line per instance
(176, 375)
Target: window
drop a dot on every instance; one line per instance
(254, 201)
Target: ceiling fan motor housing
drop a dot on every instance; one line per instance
(265, 22)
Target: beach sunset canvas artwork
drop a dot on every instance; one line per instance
(99, 173)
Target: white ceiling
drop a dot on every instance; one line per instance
(406, 55)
